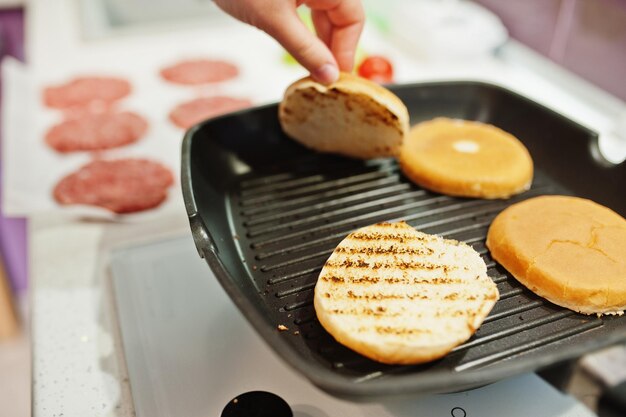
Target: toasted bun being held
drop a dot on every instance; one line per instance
(399, 296)
(568, 250)
(467, 159)
(353, 117)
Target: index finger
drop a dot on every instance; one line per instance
(287, 28)
(347, 18)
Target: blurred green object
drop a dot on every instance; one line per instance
(379, 21)
(360, 55)
(305, 16)
(376, 13)
(289, 59)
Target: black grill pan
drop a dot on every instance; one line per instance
(266, 213)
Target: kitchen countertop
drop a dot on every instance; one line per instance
(78, 366)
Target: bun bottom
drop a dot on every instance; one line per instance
(466, 159)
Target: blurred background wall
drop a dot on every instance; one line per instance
(586, 36)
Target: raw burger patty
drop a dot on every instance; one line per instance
(93, 132)
(200, 71)
(83, 91)
(122, 185)
(195, 111)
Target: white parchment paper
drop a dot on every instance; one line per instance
(31, 168)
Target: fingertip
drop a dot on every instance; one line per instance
(326, 74)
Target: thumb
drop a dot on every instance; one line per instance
(287, 28)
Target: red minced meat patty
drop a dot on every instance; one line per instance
(85, 91)
(199, 71)
(195, 111)
(120, 185)
(96, 131)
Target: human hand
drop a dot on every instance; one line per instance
(338, 24)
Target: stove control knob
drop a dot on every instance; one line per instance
(257, 404)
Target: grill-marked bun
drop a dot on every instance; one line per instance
(569, 250)
(468, 159)
(353, 117)
(399, 296)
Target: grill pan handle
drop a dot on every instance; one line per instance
(608, 368)
(613, 401)
(201, 236)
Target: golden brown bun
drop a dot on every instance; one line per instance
(468, 159)
(569, 250)
(399, 296)
(353, 117)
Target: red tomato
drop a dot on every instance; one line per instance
(376, 68)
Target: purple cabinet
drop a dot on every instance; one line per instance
(586, 36)
(13, 231)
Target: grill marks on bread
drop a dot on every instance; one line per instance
(400, 296)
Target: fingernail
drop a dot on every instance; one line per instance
(326, 74)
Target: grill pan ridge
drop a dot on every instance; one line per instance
(266, 213)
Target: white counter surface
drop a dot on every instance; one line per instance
(78, 368)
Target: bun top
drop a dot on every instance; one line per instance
(353, 84)
(569, 250)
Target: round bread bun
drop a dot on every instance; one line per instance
(568, 250)
(464, 158)
(353, 117)
(399, 296)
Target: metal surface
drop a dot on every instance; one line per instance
(189, 352)
(266, 213)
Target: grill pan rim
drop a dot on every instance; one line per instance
(333, 382)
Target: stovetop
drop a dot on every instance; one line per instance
(189, 352)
